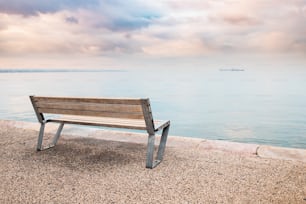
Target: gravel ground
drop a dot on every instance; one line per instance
(88, 170)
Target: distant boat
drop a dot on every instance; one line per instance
(231, 70)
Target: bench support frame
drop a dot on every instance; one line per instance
(150, 163)
(40, 146)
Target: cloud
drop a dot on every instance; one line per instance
(189, 5)
(278, 41)
(236, 19)
(115, 14)
(29, 7)
(72, 19)
(177, 48)
(125, 15)
(62, 33)
(161, 29)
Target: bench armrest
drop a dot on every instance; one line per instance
(160, 125)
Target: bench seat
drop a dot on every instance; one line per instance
(109, 122)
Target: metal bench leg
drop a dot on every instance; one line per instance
(161, 149)
(40, 136)
(150, 151)
(162, 145)
(58, 133)
(54, 141)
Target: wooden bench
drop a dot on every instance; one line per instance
(108, 112)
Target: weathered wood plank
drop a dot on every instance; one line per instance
(126, 101)
(101, 123)
(138, 122)
(91, 113)
(137, 109)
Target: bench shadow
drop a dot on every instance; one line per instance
(91, 154)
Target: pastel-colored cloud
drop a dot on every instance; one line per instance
(72, 19)
(159, 29)
(178, 48)
(115, 15)
(236, 19)
(29, 7)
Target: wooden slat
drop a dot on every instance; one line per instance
(90, 100)
(109, 112)
(91, 113)
(103, 119)
(107, 122)
(137, 109)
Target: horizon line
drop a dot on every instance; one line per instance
(57, 70)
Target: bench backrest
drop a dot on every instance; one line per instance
(98, 107)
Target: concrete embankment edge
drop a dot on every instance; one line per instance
(263, 151)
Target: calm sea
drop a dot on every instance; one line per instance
(264, 107)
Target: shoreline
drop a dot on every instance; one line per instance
(98, 166)
(264, 151)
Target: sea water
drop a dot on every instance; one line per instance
(252, 106)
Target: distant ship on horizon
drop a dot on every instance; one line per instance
(231, 70)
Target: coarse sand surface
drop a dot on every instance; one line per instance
(90, 170)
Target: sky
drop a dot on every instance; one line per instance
(160, 33)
